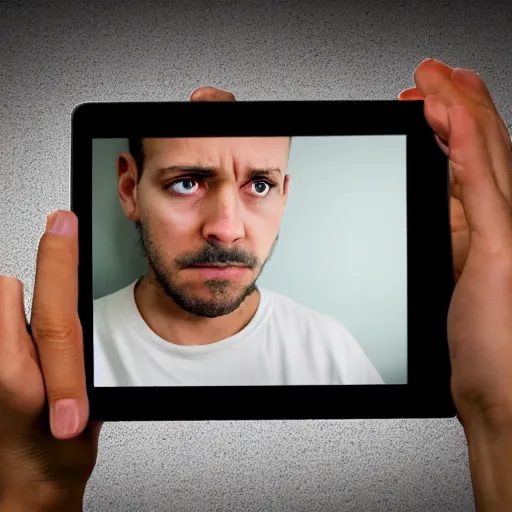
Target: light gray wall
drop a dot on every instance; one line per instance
(342, 248)
(116, 258)
(55, 55)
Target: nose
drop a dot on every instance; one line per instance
(223, 222)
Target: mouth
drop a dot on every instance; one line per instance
(219, 265)
(220, 270)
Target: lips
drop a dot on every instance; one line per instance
(220, 271)
(219, 265)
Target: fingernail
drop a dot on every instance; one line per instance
(65, 417)
(59, 223)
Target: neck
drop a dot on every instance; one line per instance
(173, 324)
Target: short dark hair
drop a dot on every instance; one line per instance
(136, 148)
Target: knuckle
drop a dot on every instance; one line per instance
(21, 388)
(63, 392)
(56, 331)
(67, 383)
(473, 123)
(11, 376)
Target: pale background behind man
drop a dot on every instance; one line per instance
(342, 244)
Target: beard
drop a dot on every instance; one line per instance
(221, 301)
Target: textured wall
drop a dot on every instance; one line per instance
(54, 55)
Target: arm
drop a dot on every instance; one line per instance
(45, 462)
(51, 502)
(470, 131)
(490, 458)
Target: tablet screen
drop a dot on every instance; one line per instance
(249, 261)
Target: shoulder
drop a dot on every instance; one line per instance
(292, 310)
(101, 303)
(326, 342)
(109, 305)
(292, 313)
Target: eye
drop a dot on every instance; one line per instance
(185, 186)
(261, 188)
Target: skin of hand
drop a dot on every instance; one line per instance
(42, 377)
(469, 129)
(43, 467)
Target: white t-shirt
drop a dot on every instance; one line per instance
(284, 343)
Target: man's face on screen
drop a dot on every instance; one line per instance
(210, 211)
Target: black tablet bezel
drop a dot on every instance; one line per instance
(430, 274)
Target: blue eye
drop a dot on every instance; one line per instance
(260, 188)
(185, 186)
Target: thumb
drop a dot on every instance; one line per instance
(488, 213)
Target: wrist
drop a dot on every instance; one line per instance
(42, 499)
(478, 421)
(489, 437)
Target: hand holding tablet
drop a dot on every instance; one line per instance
(479, 330)
(479, 145)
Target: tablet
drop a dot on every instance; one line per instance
(262, 260)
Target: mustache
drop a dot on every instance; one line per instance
(212, 255)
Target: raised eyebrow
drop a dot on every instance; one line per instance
(196, 169)
(253, 173)
(212, 171)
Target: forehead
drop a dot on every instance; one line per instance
(216, 151)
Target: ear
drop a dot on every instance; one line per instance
(285, 189)
(127, 177)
